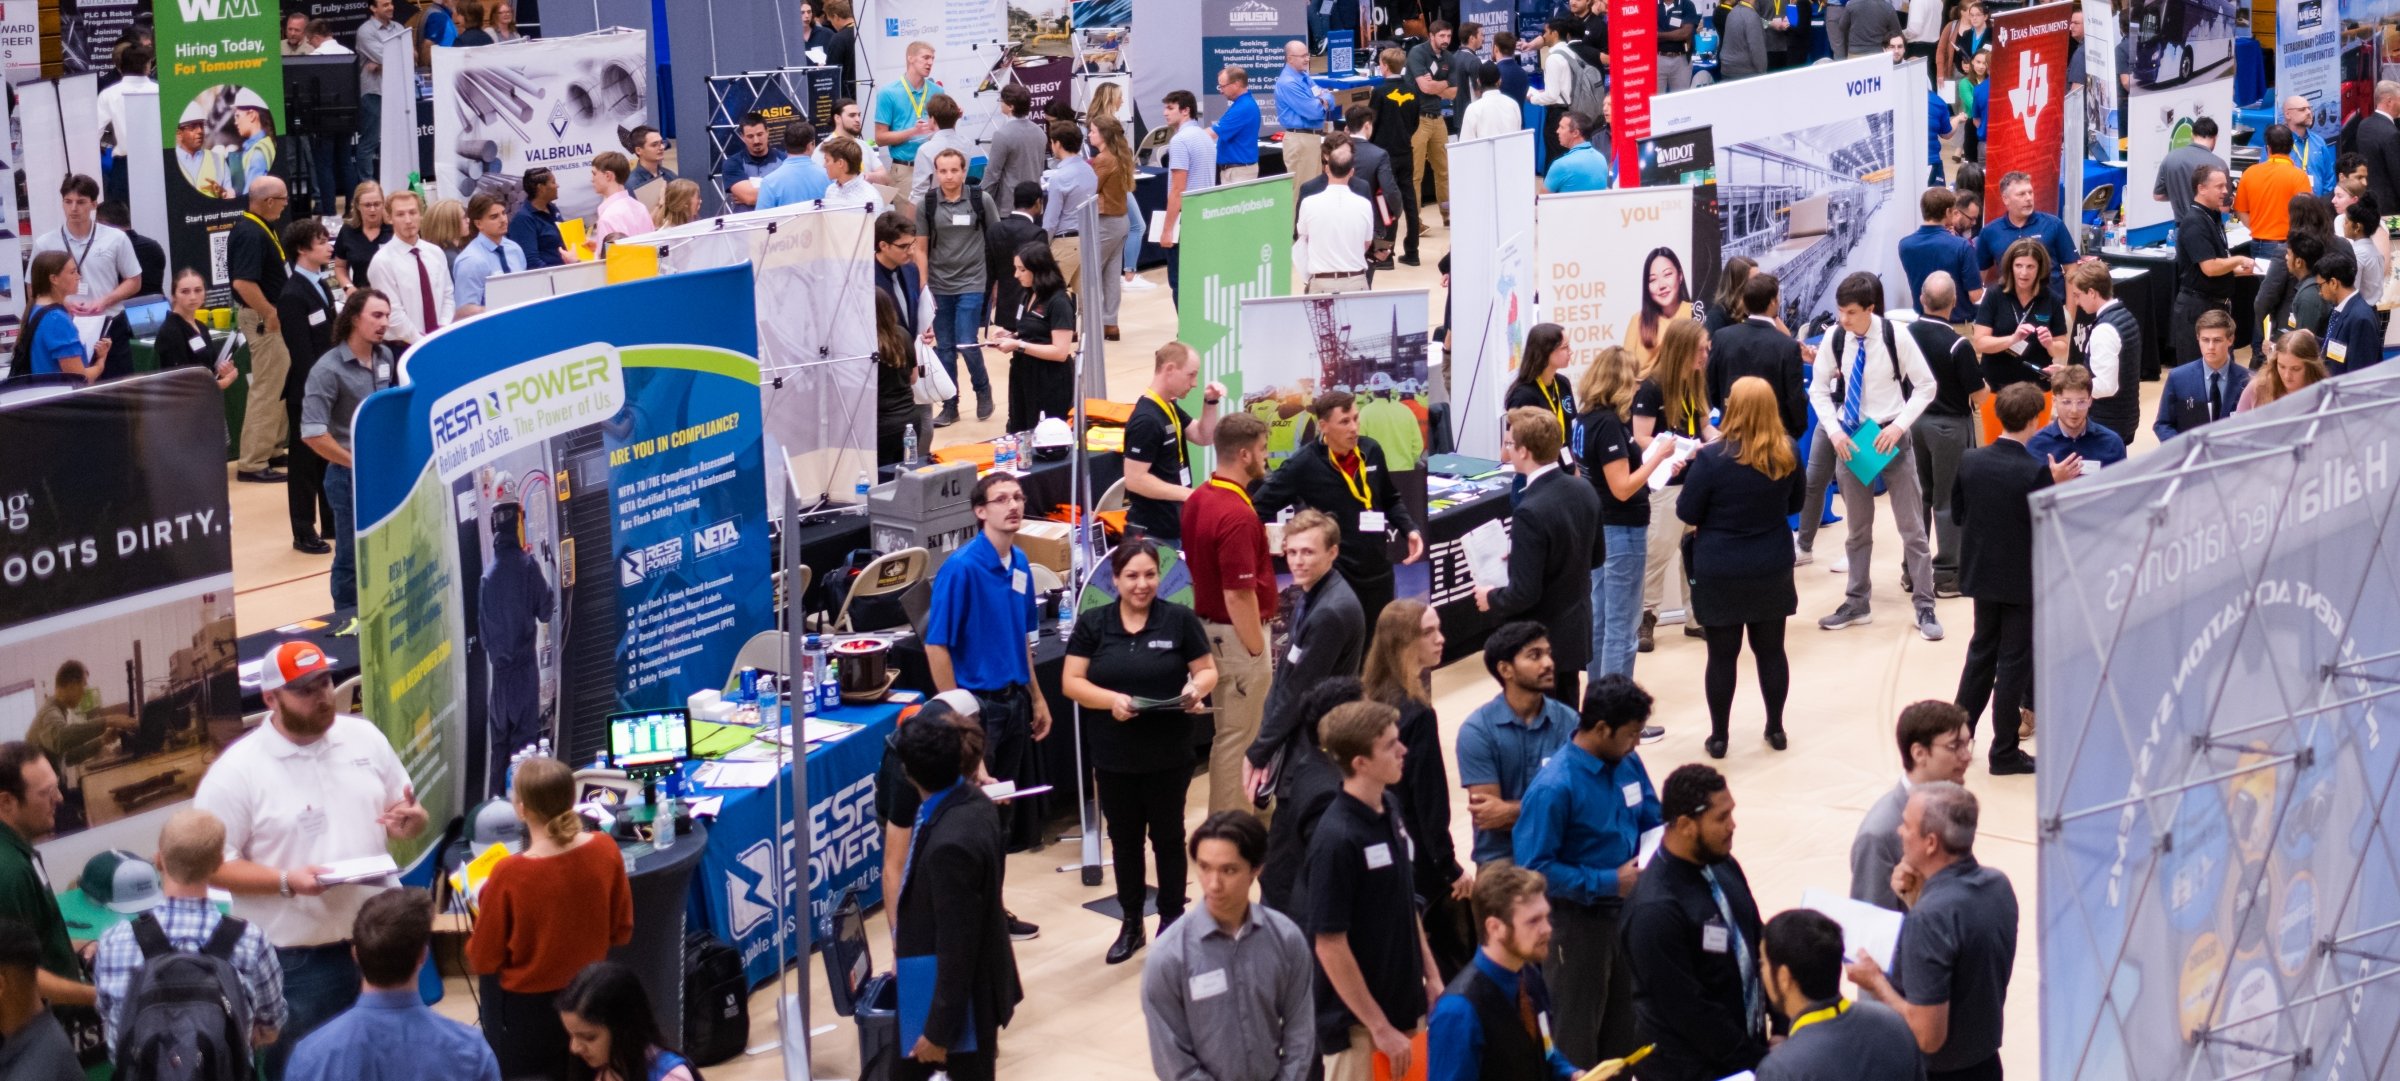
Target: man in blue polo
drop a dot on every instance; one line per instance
(1237, 128)
(756, 158)
(2022, 220)
(1583, 167)
(978, 634)
(2309, 151)
(1934, 247)
(1300, 110)
(1507, 740)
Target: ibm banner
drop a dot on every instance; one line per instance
(500, 110)
(2219, 894)
(2028, 98)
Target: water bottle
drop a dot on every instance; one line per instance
(1004, 453)
(866, 480)
(908, 445)
(829, 689)
(813, 653)
(662, 826)
(542, 749)
(1704, 47)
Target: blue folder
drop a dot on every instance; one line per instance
(916, 975)
(1866, 463)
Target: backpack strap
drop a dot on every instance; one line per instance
(151, 937)
(226, 938)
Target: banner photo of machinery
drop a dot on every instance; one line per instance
(971, 57)
(116, 597)
(571, 535)
(500, 110)
(1613, 267)
(2028, 120)
(220, 104)
(1812, 205)
(2219, 889)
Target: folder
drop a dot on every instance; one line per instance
(916, 975)
(1866, 463)
(571, 231)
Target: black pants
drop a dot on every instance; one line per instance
(1999, 659)
(1373, 590)
(524, 1032)
(1725, 653)
(1134, 805)
(304, 489)
(1404, 162)
(1551, 150)
(974, 1066)
(1008, 753)
(2188, 306)
(1447, 930)
(1591, 984)
(1569, 689)
(1987, 1070)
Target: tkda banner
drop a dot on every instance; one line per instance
(220, 99)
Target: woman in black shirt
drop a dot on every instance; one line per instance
(2021, 329)
(1406, 645)
(1144, 664)
(1044, 332)
(895, 385)
(1541, 381)
(1672, 398)
(1621, 471)
(1736, 497)
(182, 340)
(1729, 309)
(364, 231)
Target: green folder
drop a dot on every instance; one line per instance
(1866, 463)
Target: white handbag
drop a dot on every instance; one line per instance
(934, 385)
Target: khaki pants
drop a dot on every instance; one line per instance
(902, 174)
(1357, 1063)
(1429, 148)
(1323, 284)
(1068, 250)
(1665, 556)
(1303, 156)
(1241, 701)
(1235, 174)
(262, 416)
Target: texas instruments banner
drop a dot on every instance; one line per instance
(1614, 266)
(500, 110)
(2028, 96)
(545, 541)
(220, 105)
(2219, 891)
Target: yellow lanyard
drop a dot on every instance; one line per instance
(916, 101)
(1839, 1007)
(1182, 456)
(1220, 482)
(1358, 486)
(1555, 409)
(271, 237)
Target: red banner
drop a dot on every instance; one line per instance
(2028, 120)
(1633, 74)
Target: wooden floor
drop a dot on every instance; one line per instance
(1797, 810)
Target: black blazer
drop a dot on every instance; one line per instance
(1748, 348)
(1740, 515)
(2377, 139)
(1330, 640)
(950, 908)
(301, 301)
(1996, 563)
(1308, 479)
(1550, 564)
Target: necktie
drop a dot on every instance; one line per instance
(1741, 952)
(1525, 1011)
(2216, 395)
(504, 267)
(433, 318)
(1854, 392)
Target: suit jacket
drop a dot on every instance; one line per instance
(2183, 403)
(303, 301)
(950, 908)
(1374, 165)
(2377, 139)
(1995, 522)
(1550, 564)
(1751, 348)
(1330, 640)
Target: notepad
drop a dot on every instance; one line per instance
(362, 869)
(1866, 928)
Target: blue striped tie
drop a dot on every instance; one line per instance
(1854, 392)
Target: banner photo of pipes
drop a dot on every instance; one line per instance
(499, 110)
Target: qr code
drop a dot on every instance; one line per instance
(216, 256)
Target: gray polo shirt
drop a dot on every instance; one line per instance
(336, 384)
(1866, 1042)
(1958, 946)
(105, 257)
(953, 241)
(1235, 1006)
(2175, 172)
(1876, 850)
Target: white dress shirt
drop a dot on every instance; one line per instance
(1335, 228)
(2101, 350)
(1491, 114)
(1558, 78)
(286, 806)
(1880, 399)
(112, 104)
(395, 272)
(852, 192)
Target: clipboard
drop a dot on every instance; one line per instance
(1866, 463)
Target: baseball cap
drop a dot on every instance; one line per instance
(960, 701)
(289, 663)
(122, 881)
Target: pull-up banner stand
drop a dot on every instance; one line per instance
(778, 97)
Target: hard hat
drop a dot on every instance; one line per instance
(504, 487)
(1052, 438)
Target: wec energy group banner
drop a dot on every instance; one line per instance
(1237, 246)
(220, 105)
(545, 542)
(500, 110)
(2028, 122)
(1613, 266)
(969, 62)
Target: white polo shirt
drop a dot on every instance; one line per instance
(285, 805)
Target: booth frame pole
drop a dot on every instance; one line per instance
(792, 990)
(1083, 555)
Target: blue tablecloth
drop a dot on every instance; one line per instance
(846, 843)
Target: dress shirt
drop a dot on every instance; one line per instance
(1582, 819)
(1069, 182)
(1558, 77)
(622, 215)
(1237, 132)
(2103, 351)
(1880, 397)
(392, 1036)
(286, 805)
(1454, 1037)
(1231, 1006)
(1018, 152)
(852, 192)
(1335, 227)
(374, 37)
(112, 106)
(188, 922)
(2098, 445)
(796, 181)
(479, 262)
(1299, 103)
(1490, 115)
(395, 272)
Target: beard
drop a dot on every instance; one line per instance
(307, 723)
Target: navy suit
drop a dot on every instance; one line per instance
(2183, 404)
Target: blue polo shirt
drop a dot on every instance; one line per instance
(2316, 159)
(1582, 819)
(1937, 124)
(898, 108)
(1581, 169)
(1237, 132)
(797, 180)
(1298, 106)
(983, 607)
(2096, 444)
(1495, 747)
(1999, 233)
(1933, 248)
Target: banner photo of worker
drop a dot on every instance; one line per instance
(564, 537)
(1613, 267)
(220, 105)
(2029, 103)
(500, 110)
(116, 597)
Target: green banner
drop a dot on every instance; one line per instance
(410, 647)
(220, 104)
(1236, 246)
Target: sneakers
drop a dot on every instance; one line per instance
(1801, 557)
(1846, 616)
(1928, 626)
(1138, 284)
(948, 416)
(1652, 733)
(1021, 931)
(2013, 762)
(1646, 639)
(1946, 590)
(1841, 564)
(983, 405)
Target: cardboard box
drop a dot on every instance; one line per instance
(1047, 543)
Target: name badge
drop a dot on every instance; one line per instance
(2017, 347)
(1379, 856)
(1633, 793)
(1019, 581)
(1714, 938)
(1161, 643)
(2337, 351)
(1292, 657)
(1371, 521)
(962, 219)
(1674, 21)
(317, 318)
(199, 343)
(311, 822)
(1208, 985)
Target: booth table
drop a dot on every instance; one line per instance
(340, 650)
(2152, 298)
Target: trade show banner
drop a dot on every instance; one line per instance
(546, 541)
(1493, 15)
(1633, 74)
(2102, 117)
(88, 30)
(1249, 34)
(20, 41)
(2218, 889)
(1613, 266)
(116, 599)
(1491, 285)
(2308, 60)
(500, 110)
(1685, 157)
(1814, 203)
(2182, 70)
(220, 106)
(2028, 122)
(12, 302)
(1237, 246)
(845, 852)
(970, 58)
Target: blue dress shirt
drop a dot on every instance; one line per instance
(478, 262)
(2096, 444)
(1299, 105)
(1582, 819)
(1454, 1039)
(1237, 132)
(797, 180)
(391, 1036)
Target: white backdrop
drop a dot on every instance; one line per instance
(1491, 285)
(501, 110)
(966, 37)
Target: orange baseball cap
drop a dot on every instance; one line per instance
(292, 662)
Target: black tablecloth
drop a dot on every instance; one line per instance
(341, 651)
(2152, 299)
(1464, 627)
(662, 891)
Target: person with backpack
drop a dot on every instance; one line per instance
(391, 1035)
(1866, 374)
(1570, 83)
(955, 219)
(613, 1032)
(160, 974)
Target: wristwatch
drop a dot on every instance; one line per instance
(283, 883)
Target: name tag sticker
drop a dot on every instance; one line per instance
(311, 821)
(1019, 581)
(1293, 657)
(199, 343)
(962, 219)
(1633, 794)
(1713, 938)
(317, 318)
(1379, 856)
(1370, 521)
(1208, 985)
(2337, 351)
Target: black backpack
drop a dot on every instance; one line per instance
(186, 1015)
(716, 1000)
(20, 356)
(1841, 369)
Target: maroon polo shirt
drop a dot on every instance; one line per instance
(1226, 546)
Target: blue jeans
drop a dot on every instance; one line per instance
(319, 983)
(368, 153)
(1136, 231)
(338, 490)
(1617, 600)
(955, 321)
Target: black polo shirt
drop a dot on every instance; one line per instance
(1957, 370)
(1606, 439)
(1957, 946)
(1154, 436)
(1152, 663)
(2199, 237)
(1360, 868)
(252, 254)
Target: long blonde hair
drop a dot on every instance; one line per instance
(1675, 368)
(445, 224)
(351, 216)
(1754, 429)
(1112, 140)
(1391, 675)
(1107, 99)
(545, 792)
(2300, 344)
(1608, 382)
(679, 204)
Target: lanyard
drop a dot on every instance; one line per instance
(1183, 457)
(67, 241)
(271, 237)
(1839, 1007)
(1551, 394)
(1220, 482)
(1358, 485)
(916, 101)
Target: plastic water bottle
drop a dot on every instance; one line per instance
(829, 688)
(662, 825)
(1004, 453)
(908, 445)
(770, 700)
(866, 480)
(813, 653)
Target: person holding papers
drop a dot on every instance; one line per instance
(1551, 547)
(1691, 937)
(1143, 664)
(1735, 496)
(1621, 471)
(957, 971)
(1869, 385)
(184, 341)
(49, 343)
(1831, 1038)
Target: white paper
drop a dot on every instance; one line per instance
(706, 806)
(816, 731)
(735, 775)
(1650, 841)
(1684, 450)
(1158, 227)
(1486, 548)
(1865, 928)
(88, 327)
(362, 869)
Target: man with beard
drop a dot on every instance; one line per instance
(1691, 936)
(1490, 1022)
(306, 790)
(1233, 590)
(513, 596)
